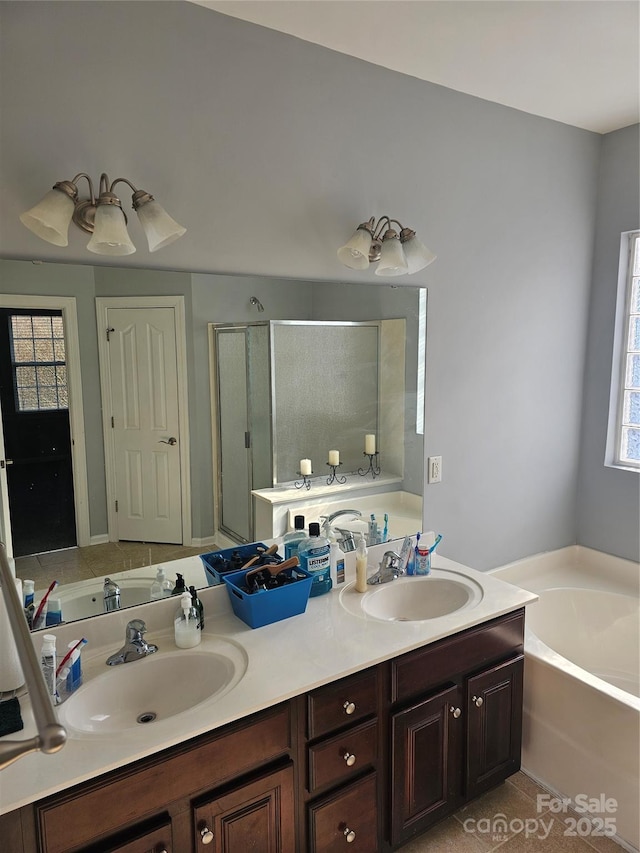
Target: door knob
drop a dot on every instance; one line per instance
(349, 707)
(349, 835)
(349, 758)
(455, 711)
(478, 701)
(170, 441)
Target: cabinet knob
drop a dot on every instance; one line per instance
(478, 701)
(349, 758)
(349, 835)
(206, 835)
(349, 707)
(455, 711)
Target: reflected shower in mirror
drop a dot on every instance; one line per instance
(212, 301)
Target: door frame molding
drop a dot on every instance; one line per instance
(68, 306)
(103, 304)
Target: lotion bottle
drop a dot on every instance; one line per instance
(361, 565)
(48, 664)
(187, 633)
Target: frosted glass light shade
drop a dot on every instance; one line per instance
(417, 255)
(392, 260)
(159, 227)
(110, 235)
(355, 253)
(50, 218)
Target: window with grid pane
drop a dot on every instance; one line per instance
(38, 362)
(628, 422)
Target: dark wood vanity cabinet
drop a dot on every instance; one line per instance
(339, 749)
(261, 809)
(368, 761)
(456, 723)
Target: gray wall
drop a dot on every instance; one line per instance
(270, 150)
(608, 498)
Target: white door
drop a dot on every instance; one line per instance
(145, 423)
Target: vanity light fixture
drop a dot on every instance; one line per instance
(396, 253)
(103, 218)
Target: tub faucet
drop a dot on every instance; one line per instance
(389, 569)
(345, 540)
(111, 595)
(135, 647)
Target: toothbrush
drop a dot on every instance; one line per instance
(385, 529)
(52, 586)
(436, 543)
(68, 655)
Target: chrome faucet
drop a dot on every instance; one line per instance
(135, 647)
(345, 540)
(111, 595)
(389, 569)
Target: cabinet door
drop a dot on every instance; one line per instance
(258, 816)
(494, 727)
(426, 763)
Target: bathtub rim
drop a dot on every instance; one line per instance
(581, 568)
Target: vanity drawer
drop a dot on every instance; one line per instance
(340, 757)
(445, 660)
(331, 707)
(348, 817)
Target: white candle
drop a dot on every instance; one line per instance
(305, 466)
(334, 457)
(369, 444)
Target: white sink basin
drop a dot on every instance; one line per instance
(414, 599)
(155, 688)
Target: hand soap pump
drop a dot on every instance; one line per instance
(161, 587)
(187, 633)
(361, 565)
(180, 586)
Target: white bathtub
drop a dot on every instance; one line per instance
(581, 731)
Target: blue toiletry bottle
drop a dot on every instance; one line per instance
(314, 554)
(292, 540)
(54, 612)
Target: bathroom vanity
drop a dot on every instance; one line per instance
(396, 725)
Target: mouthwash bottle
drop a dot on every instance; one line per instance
(314, 554)
(292, 540)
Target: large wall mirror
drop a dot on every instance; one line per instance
(55, 339)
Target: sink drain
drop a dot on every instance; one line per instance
(147, 717)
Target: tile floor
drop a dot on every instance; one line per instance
(471, 830)
(76, 564)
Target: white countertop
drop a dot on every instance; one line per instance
(284, 660)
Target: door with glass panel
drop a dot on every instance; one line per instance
(37, 437)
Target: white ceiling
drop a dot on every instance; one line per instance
(575, 61)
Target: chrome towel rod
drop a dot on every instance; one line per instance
(51, 735)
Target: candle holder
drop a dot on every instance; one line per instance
(333, 477)
(374, 467)
(306, 481)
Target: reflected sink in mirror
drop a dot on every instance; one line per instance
(154, 688)
(81, 600)
(414, 599)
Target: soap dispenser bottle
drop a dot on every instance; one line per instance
(195, 601)
(180, 586)
(187, 633)
(161, 587)
(361, 564)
